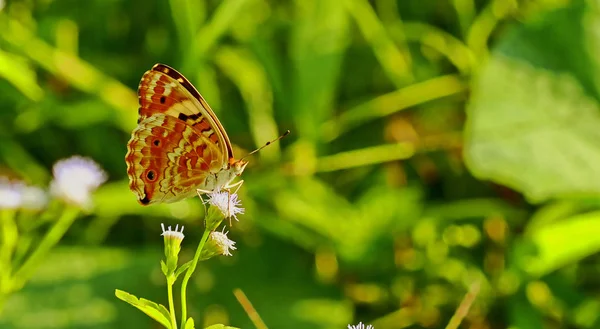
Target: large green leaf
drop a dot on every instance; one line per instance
(156, 311)
(533, 130)
(533, 119)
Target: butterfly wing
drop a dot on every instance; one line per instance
(178, 142)
(164, 90)
(167, 159)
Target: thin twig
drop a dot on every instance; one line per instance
(465, 305)
(249, 309)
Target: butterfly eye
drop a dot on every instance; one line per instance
(156, 142)
(151, 175)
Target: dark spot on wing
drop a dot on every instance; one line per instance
(163, 99)
(145, 200)
(151, 175)
(156, 142)
(182, 116)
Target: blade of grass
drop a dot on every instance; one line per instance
(187, 17)
(392, 60)
(393, 102)
(389, 13)
(249, 309)
(484, 25)
(317, 47)
(205, 39)
(365, 156)
(446, 44)
(21, 161)
(240, 66)
(465, 10)
(16, 70)
(73, 70)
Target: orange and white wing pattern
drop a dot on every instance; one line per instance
(178, 142)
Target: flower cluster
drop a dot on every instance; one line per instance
(75, 179)
(15, 194)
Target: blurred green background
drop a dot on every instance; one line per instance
(435, 144)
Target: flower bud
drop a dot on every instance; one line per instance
(172, 247)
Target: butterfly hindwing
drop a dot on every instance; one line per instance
(168, 158)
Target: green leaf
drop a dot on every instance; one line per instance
(563, 243)
(218, 326)
(164, 268)
(189, 324)
(182, 268)
(156, 311)
(542, 139)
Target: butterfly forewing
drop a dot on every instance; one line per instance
(164, 90)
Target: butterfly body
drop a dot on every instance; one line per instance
(179, 146)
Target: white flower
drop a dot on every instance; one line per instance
(172, 234)
(222, 242)
(33, 198)
(360, 325)
(15, 195)
(228, 203)
(75, 179)
(11, 196)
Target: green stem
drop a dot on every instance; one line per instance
(50, 240)
(188, 274)
(10, 234)
(171, 304)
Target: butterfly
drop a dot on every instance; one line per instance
(179, 147)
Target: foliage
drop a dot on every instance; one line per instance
(436, 146)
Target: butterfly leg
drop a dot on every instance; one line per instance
(201, 191)
(236, 185)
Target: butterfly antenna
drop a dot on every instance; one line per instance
(287, 132)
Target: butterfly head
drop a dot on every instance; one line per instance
(238, 166)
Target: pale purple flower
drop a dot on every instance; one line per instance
(15, 194)
(228, 203)
(75, 179)
(11, 196)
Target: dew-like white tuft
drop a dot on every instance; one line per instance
(169, 233)
(75, 179)
(223, 243)
(360, 325)
(228, 203)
